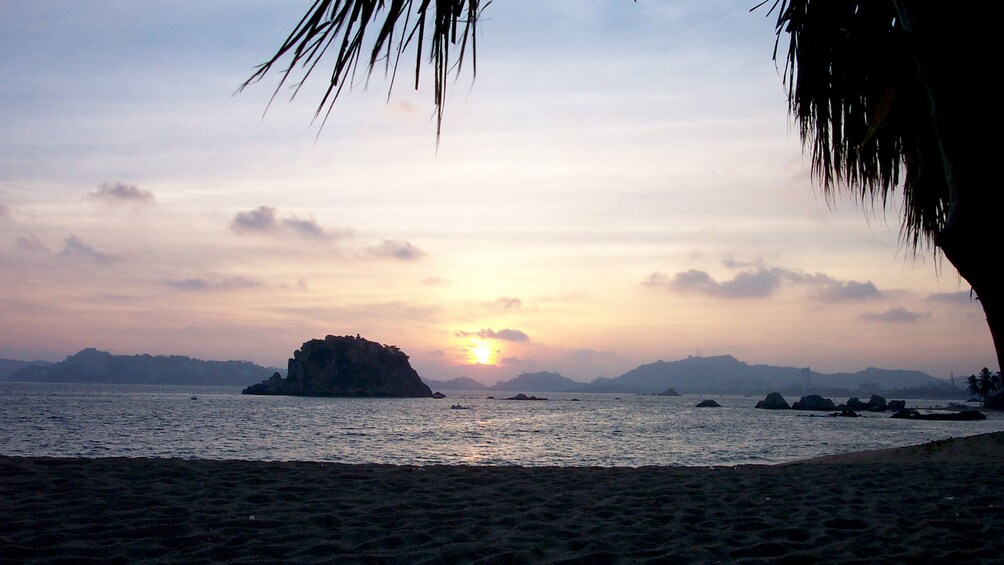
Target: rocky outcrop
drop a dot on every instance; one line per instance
(875, 404)
(668, 392)
(346, 366)
(438, 395)
(708, 404)
(773, 401)
(522, 396)
(814, 402)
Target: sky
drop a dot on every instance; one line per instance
(619, 184)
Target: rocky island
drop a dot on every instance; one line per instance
(346, 366)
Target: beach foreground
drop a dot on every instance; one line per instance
(937, 501)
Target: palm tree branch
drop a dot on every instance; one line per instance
(370, 25)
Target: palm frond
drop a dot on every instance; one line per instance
(855, 94)
(386, 30)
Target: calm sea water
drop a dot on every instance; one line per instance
(598, 429)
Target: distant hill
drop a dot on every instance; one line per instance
(9, 366)
(459, 383)
(94, 366)
(541, 382)
(724, 374)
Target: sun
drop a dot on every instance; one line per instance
(481, 355)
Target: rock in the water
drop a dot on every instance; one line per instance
(964, 416)
(708, 404)
(846, 414)
(877, 403)
(814, 402)
(668, 392)
(346, 366)
(438, 395)
(897, 405)
(522, 396)
(773, 401)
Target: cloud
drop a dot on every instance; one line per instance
(506, 303)
(962, 297)
(897, 315)
(307, 228)
(761, 282)
(266, 220)
(503, 335)
(4, 211)
(513, 362)
(394, 249)
(262, 219)
(31, 244)
(433, 281)
(206, 284)
(113, 193)
(74, 247)
(849, 291)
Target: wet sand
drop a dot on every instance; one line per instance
(940, 501)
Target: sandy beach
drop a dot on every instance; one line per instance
(940, 501)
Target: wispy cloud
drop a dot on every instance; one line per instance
(266, 220)
(395, 249)
(74, 247)
(896, 315)
(31, 244)
(433, 281)
(4, 211)
(114, 193)
(848, 291)
(213, 284)
(962, 297)
(505, 303)
(503, 335)
(760, 281)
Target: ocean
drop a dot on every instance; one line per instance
(75, 420)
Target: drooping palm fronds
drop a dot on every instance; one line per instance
(384, 28)
(855, 93)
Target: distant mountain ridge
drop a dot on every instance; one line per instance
(724, 374)
(544, 381)
(10, 366)
(93, 366)
(459, 383)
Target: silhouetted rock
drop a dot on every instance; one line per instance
(438, 395)
(846, 414)
(522, 396)
(346, 366)
(708, 404)
(897, 405)
(877, 403)
(814, 402)
(668, 392)
(963, 416)
(773, 401)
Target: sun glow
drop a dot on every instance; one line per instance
(481, 355)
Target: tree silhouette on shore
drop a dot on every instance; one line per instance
(888, 95)
(988, 386)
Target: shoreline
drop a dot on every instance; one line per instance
(933, 501)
